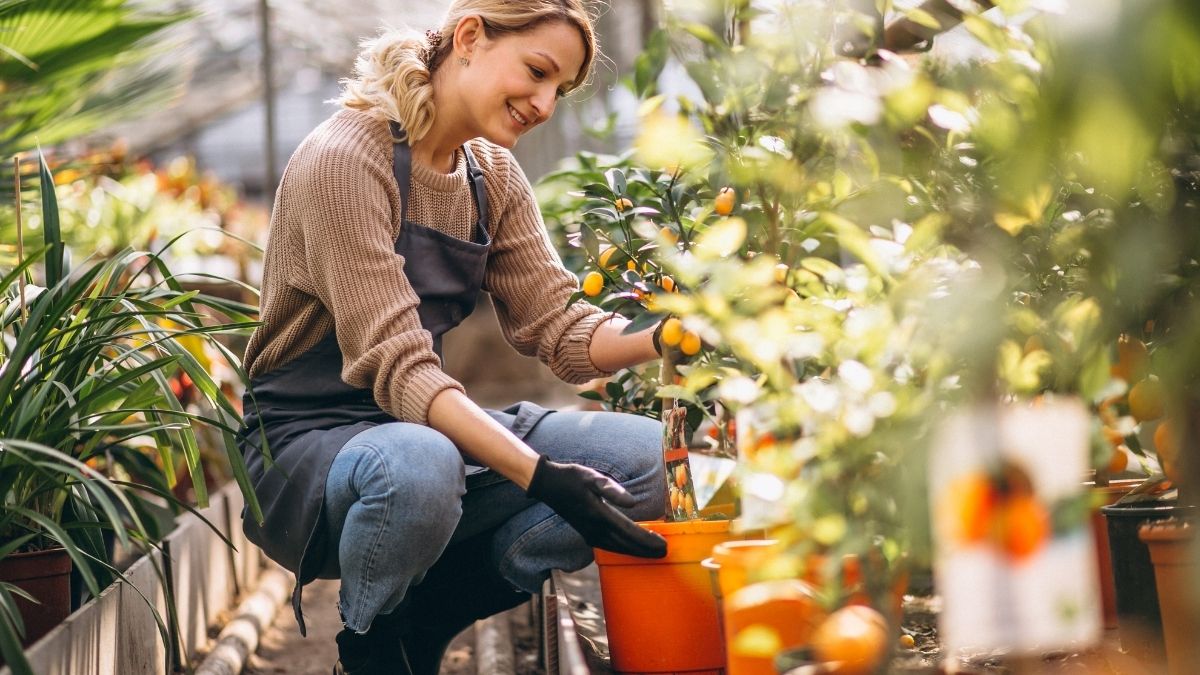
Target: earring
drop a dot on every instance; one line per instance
(462, 61)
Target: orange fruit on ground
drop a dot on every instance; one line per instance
(690, 343)
(855, 635)
(623, 203)
(593, 283)
(1146, 400)
(723, 204)
(672, 332)
(1119, 460)
(1022, 526)
(1132, 357)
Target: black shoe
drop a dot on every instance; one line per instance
(461, 588)
(363, 655)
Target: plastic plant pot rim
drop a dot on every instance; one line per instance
(688, 542)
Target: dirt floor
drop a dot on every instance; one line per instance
(282, 650)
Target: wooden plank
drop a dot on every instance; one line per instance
(141, 650)
(185, 546)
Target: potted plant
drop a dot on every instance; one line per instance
(85, 390)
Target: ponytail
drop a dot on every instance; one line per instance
(393, 80)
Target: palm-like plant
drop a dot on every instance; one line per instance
(85, 364)
(65, 67)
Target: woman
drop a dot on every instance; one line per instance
(390, 218)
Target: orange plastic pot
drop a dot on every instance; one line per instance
(660, 614)
(738, 560)
(767, 617)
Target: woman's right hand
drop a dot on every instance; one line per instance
(581, 496)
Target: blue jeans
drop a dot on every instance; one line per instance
(397, 495)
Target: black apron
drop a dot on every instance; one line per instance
(307, 413)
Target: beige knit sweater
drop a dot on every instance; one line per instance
(331, 264)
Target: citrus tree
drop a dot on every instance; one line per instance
(859, 241)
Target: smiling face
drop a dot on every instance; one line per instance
(514, 80)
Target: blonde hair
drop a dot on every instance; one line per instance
(394, 71)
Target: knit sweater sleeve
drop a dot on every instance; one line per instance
(530, 287)
(348, 260)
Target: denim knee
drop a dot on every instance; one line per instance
(410, 468)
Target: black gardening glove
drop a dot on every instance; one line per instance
(580, 496)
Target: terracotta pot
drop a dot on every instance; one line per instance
(1133, 576)
(763, 618)
(1106, 495)
(1176, 570)
(660, 614)
(46, 575)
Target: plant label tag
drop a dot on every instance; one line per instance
(1014, 558)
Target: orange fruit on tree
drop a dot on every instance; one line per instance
(1119, 460)
(1146, 400)
(672, 332)
(668, 234)
(907, 641)
(623, 204)
(593, 283)
(606, 256)
(689, 344)
(1166, 446)
(856, 636)
(723, 204)
(1132, 357)
(1115, 438)
(667, 283)
(1022, 526)
(781, 272)
(631, 265)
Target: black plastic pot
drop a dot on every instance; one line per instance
(1133, 575)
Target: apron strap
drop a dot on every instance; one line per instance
(478, 190)
(402, 167)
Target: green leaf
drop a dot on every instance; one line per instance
(50, 224)
(922, 18)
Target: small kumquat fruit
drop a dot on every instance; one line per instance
(723, 204)
(593, 283)
(689, 344)
(672, 332)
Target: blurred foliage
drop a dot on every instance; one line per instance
(108, 202)
(908, 233)
(70, 66)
